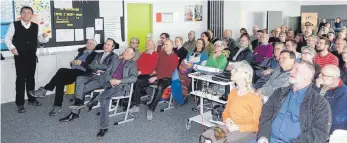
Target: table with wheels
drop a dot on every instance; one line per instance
(205, 118)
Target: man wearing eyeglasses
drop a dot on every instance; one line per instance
(134, 43)
(340, 45)
(335, 92)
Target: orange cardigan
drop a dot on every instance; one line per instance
(244, 111)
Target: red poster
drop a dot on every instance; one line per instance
(158, 17)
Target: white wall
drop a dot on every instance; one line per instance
(245, 14)
(179, 28)
(340, 2)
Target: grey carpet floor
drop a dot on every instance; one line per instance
(36, 126)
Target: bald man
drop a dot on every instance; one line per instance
(276, 38)
(161, 76)
(227, 37)
(190, 44)
(336, 93)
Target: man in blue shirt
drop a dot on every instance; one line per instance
(336, 94)
(296, 113)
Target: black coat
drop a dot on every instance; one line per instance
(246, 55)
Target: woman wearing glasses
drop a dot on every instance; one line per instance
(308, 54)
(195, 57)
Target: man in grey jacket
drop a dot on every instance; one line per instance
(118, 78)
(297, 113)
(280, 76)
(90, 81)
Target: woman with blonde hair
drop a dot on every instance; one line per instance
(242, 111)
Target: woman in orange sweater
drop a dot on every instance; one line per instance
(243, 109)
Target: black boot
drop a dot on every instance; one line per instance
(102, 132)
(72, 116)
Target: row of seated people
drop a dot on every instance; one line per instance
(302, 111)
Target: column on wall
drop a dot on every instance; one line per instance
(215, 17)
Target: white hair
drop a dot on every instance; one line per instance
(333, 70)
(220, 43)
(247, 71)
(94, 41)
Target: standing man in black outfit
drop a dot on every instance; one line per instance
(21, 39)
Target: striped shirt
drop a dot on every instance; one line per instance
(328, 59)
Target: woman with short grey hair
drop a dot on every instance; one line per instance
(217, 59)
(308, 55)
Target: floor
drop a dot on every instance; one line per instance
(36, 126)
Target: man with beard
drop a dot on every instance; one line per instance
(324, 57)
(296, 113)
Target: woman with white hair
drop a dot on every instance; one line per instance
(217, 59)
(242, 111)
(308, 54)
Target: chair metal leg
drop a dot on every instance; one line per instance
(170, 105)
(127, 113)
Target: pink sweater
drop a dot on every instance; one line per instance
(262, 52)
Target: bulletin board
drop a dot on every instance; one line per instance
(80, 19)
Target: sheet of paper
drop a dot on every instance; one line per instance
(79, 35)
(90, 33)
(6, 11)
(99, 24)
(63, 4)
(64, 35)
(111, 8)
(112, 29)
(97, 38)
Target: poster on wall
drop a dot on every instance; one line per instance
(198, 13)
(188, 13)
(309, 18)
(42, 13)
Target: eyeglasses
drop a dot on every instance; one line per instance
(306, 53)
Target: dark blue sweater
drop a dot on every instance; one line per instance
(337, 99)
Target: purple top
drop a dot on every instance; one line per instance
(263, 52)
(118, 74)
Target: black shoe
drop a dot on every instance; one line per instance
(35, 103)
(20, 109)
(70, 117)
(91, 104)
(102, 132)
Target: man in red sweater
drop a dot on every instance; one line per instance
(145, 65)
(325, 57)
(161, 76)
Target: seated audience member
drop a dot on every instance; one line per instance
(275, 38)
(291, 45)
(190, 44)
(209, 46)
(217, 59)
(213, 38)
(161, 76)
(284, 28)
(307, 34)
(340, 46)
(279, 77)
(296, 113)
(326, 29)
(308, 55)
(342, 34)
(145, 65)
(322, 24)
(161, 42)
(66, 76)
(299, 40)
(302, 29)
(283, 37)
(117, 81)
(242, 52)
(290, 34)
(88, 82)
(242, 31)
(268, 66)
(256, 42)
(195, 57)
(343, 69)
(310, 42)
(242, 111)
(264, 51)
(134, 43)
(227, 37)
(335, 92)
(324, 57)
(331, 37)
(273, 33)
(180, 51)
(338, 25)
(254, 36)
